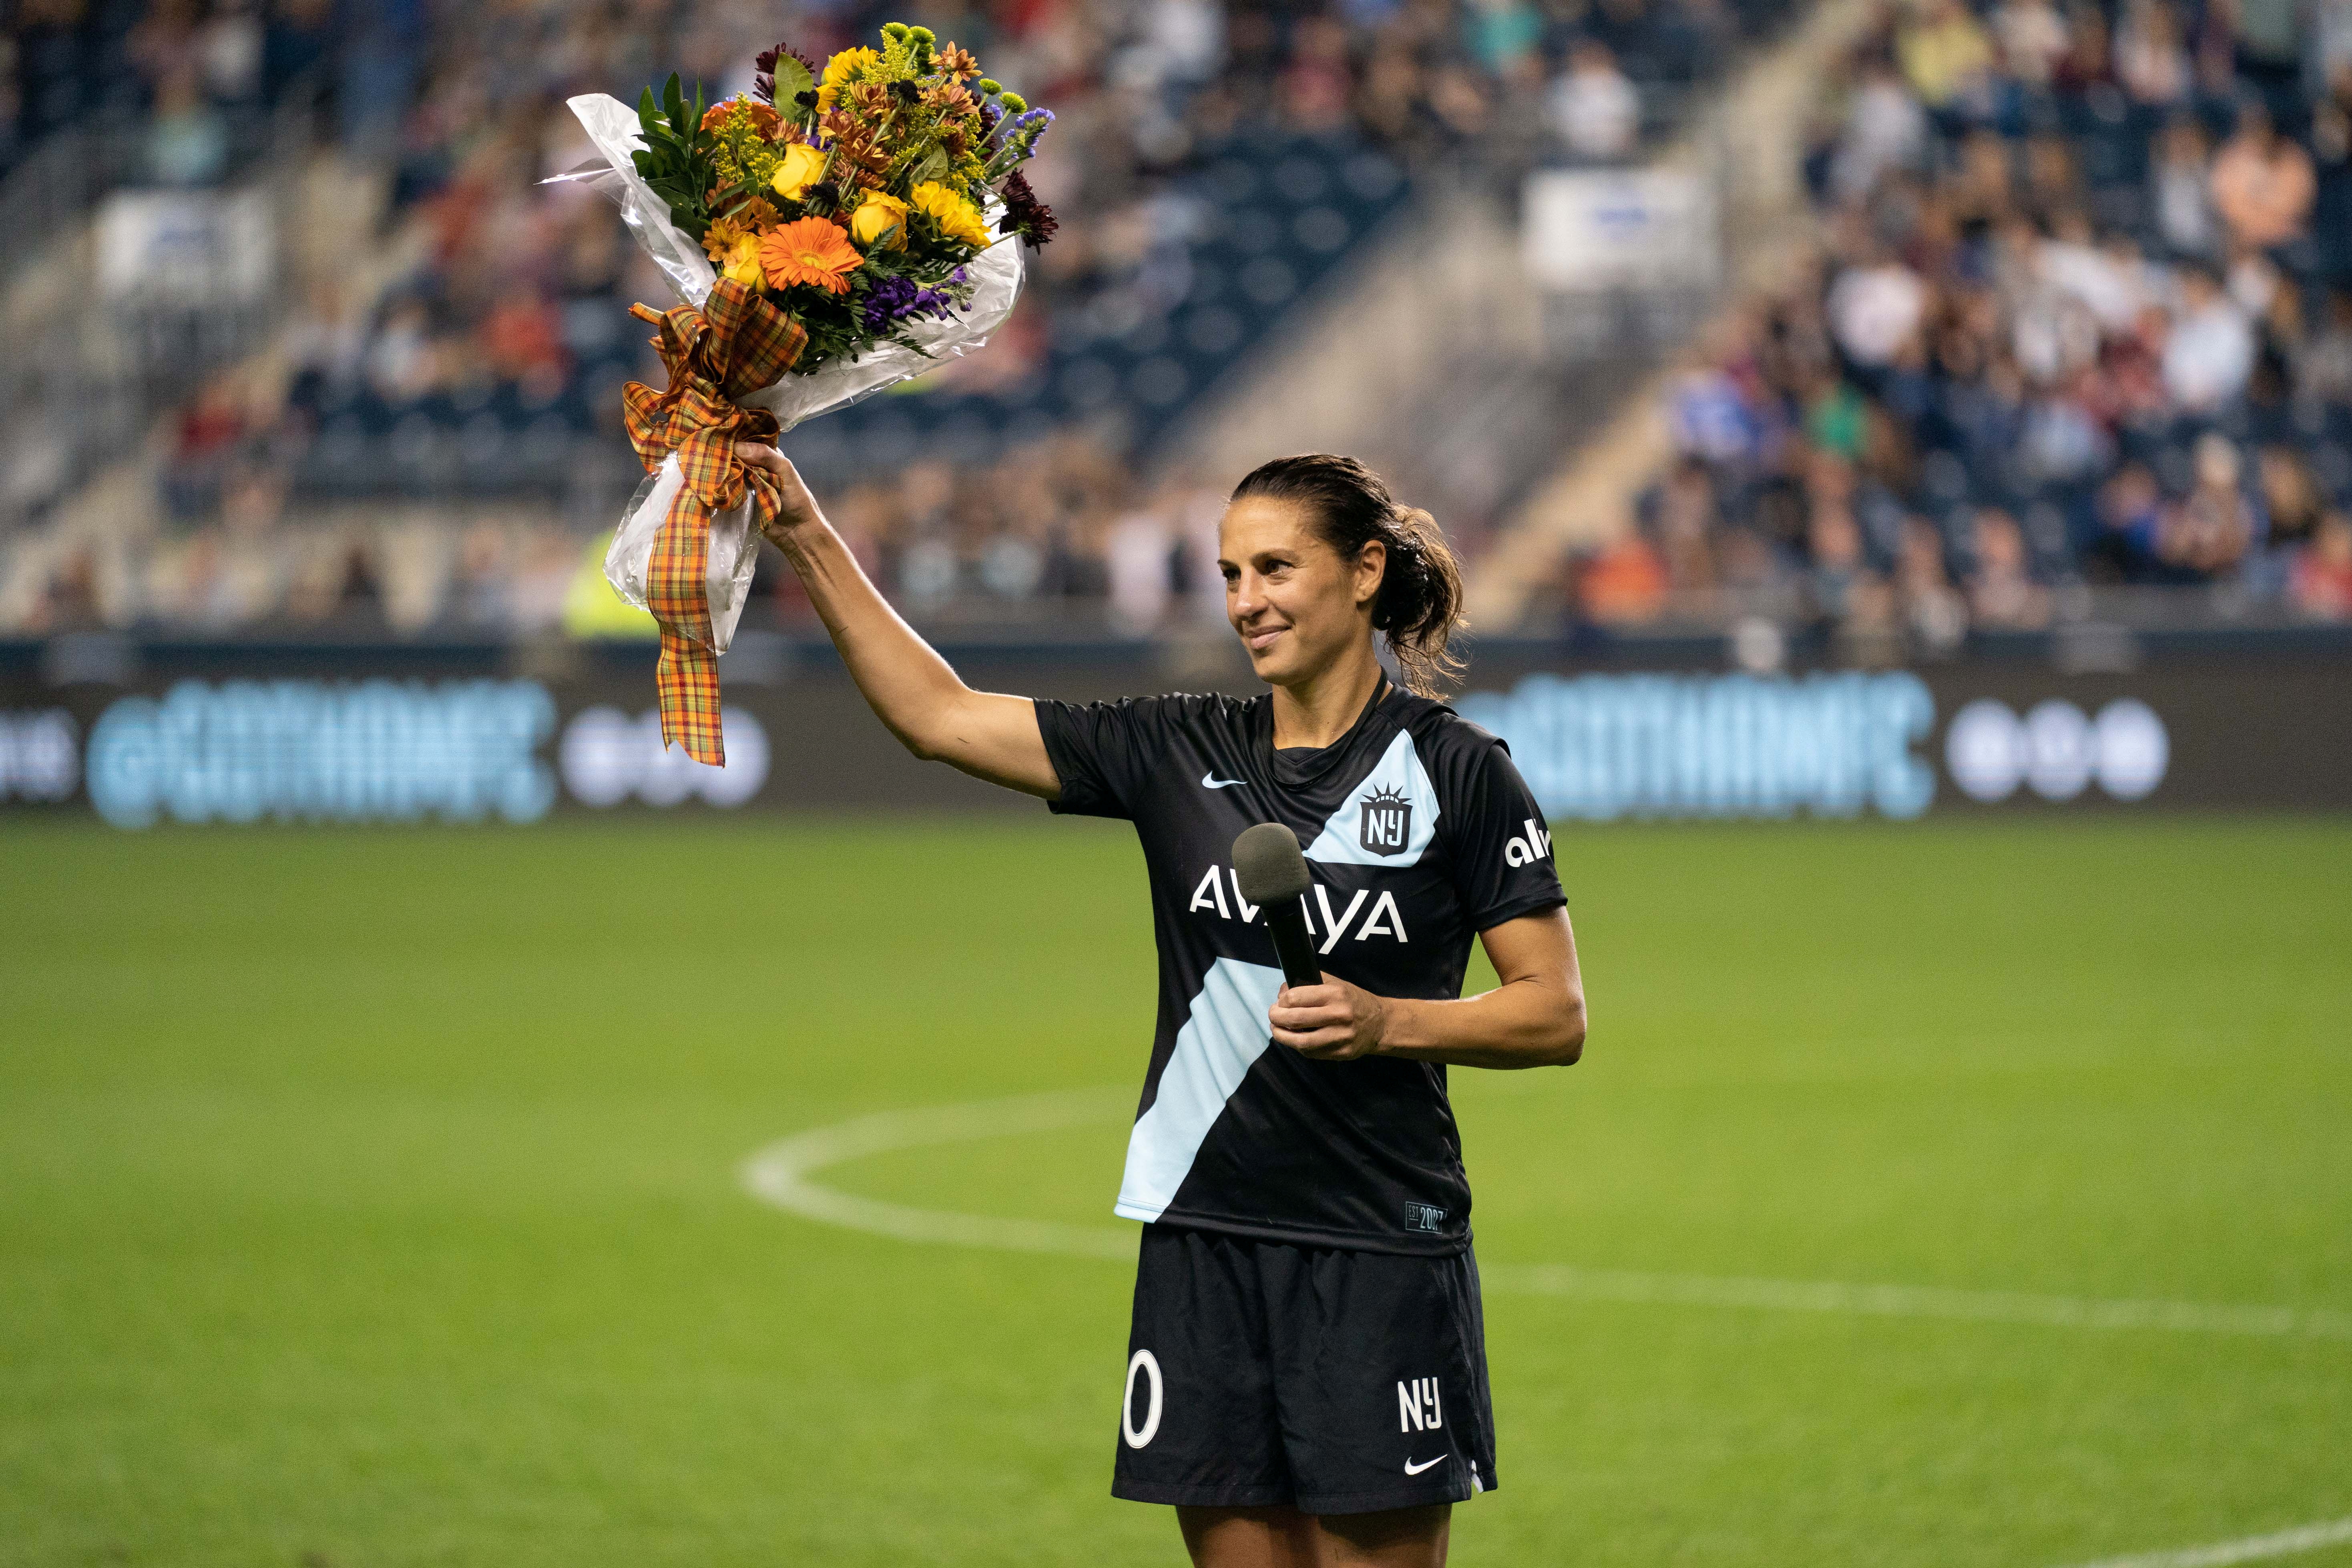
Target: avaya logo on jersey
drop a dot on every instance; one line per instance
(1329, 923)
(1529, 846)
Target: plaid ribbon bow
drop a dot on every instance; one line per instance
(736, 344)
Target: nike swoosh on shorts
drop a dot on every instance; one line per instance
(1413, 1470)
(1211, 781)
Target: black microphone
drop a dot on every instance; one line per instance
(1269, 871)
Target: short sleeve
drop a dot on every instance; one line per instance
(1103, 751)
(1503, 864)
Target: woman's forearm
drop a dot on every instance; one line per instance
(910, 687)
(1534, 1018)
(1527, 1023)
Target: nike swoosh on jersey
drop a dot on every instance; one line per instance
(1413, 1470)
(1210, 781)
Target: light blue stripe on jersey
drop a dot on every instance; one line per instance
(1226, 1031)
(1398, 776)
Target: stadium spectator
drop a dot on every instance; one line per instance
(403, 360)
(2292, 501)
(2323, 365)
(1141, 561)
(2322, 577)
(1945, 53)
(1317, 87)
(2209, 531)
(1885, 129)
(187, 140)
(1502, 33)
(2150, 62)
(1687, 520)
(2331, 38)
(202, 441)
(1875, 307)
(2046, 355)
(1933, 612)
(1594, 108)
(2033, 40)
(2129, 509)
(2089, 59)
(2001, 590)
(1836, 570)
(2208, 352)
(1623, 581)
(485, 334)
(2263, 187)
(2182, 181)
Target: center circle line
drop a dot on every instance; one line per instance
(782, 1172)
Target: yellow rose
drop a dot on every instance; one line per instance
(801, 163)
(876, 215)
(957, 218)
(743, 263)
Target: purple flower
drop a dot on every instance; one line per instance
(1025, 214)
(1019, 130)
(896, 300)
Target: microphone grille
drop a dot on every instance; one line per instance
(1267, 863)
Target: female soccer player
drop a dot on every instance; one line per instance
(1307, 1377)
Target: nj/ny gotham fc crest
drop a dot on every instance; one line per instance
(1387, 816)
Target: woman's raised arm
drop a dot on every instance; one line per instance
(910, 687)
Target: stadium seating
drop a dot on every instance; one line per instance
(1215, 165)
(2081, 319)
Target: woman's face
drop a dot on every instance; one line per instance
(1298, 605)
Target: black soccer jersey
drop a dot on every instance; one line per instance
(1419, 835)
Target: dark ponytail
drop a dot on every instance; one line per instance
(1419, 605)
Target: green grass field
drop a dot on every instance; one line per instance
(372, 1199)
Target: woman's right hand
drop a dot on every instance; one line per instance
(795, 505)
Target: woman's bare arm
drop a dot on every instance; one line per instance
(1534, 1018)
(910, 687)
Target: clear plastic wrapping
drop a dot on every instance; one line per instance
(996, 275)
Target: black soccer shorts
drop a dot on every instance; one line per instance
(1334, 1381)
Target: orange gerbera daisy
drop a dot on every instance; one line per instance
(810, 251)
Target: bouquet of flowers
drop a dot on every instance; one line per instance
(830, 234)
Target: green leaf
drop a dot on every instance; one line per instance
(672, 104)
(933, 165)
(791, 78)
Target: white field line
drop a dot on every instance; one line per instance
(779, 1174)
(2253, 1549)
(1909, 1301)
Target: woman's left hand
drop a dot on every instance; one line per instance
(1333, 1022)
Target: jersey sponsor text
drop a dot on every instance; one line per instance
(1333, 924)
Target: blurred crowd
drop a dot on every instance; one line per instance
(491, 348)
(185, 80)
(2082, 316)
